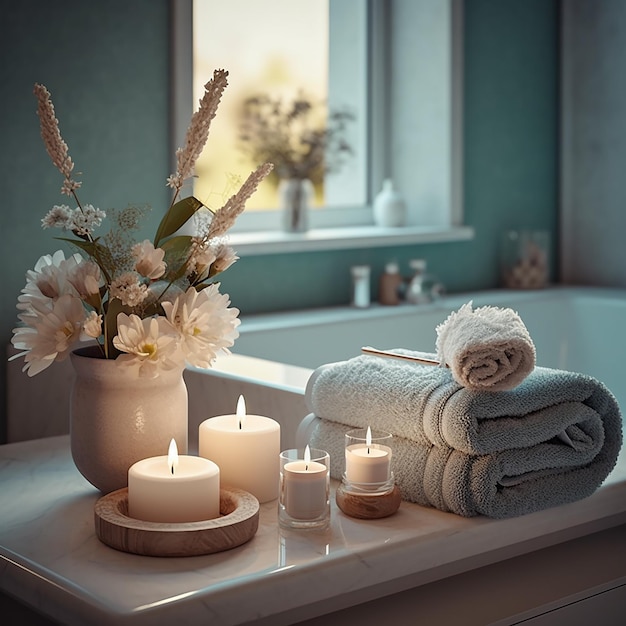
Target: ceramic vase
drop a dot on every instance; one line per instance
(118, 418)
(295, 196)
(389, 207)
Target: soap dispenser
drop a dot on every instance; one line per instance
(389, 207)
(422, 286)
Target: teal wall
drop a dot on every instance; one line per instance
(106, 65)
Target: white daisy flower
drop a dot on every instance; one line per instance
(150, 344)
(50, 332)
(205, 323)
(49, 279)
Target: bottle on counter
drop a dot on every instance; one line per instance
(390, 284)
(360, 286)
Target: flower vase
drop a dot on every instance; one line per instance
(118, 417)
(295, 196)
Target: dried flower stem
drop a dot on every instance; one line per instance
(55, 146)
(226, 216)
(58, 151)
(198, 131)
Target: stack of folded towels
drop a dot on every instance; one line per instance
(497, 449)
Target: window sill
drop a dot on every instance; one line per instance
(278, 242)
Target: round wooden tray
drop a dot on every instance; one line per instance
(238, 523)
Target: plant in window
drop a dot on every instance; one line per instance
(301, 138)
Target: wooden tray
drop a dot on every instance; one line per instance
(366, 506)
(237, 524)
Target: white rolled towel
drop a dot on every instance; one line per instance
(488, 349)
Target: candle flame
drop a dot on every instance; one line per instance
(241, 411)
(172, 456)
(307, 457)
(368, 439)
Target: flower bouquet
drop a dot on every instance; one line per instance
(300, 138)
(153, 305)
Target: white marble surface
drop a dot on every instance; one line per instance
(51, 559)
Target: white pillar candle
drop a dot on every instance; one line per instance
(246, 448)
(174, 488)
(305, 488)
(367, 463)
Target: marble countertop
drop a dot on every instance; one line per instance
(51, 559)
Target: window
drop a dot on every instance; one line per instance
(396, 65)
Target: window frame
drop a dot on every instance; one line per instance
(259, 231)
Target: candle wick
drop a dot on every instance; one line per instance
(306, 468)
(368, 449)
(172, 470)
(239, 424)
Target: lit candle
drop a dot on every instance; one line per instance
(367, 463)
(305, 488)
(246, 449)
(174, 488)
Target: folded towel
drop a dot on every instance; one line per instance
(552, 440)
(488, 348)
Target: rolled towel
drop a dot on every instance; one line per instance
(553, 439)
(488, 348)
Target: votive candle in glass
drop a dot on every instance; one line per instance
(368, 460)
(304, 493)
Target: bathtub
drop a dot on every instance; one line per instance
(577, 329)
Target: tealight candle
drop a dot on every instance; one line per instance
(367, 462)
(304, 492)
(174, 488)
(246, 449)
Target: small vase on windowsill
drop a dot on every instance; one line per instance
(294, 200)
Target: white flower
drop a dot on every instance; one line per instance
(205, 323)
(59, 216)
(49, 279)
(201, 258)
(92, 326)
(149, 260)
(85, 278)
(225, 257)
(150, 344)
(84, 221)
(50, 333)
(128, 289)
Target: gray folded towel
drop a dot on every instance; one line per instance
(487, 348)
(551, 440)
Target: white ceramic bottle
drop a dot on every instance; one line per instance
(389, 207)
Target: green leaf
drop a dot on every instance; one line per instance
(92, 248)
(99, 253)
(176, 255)
(175, 217)
(178, 245)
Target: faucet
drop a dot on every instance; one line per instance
(422, 287)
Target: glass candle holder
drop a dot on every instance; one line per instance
(368, 457)
(304, 490)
